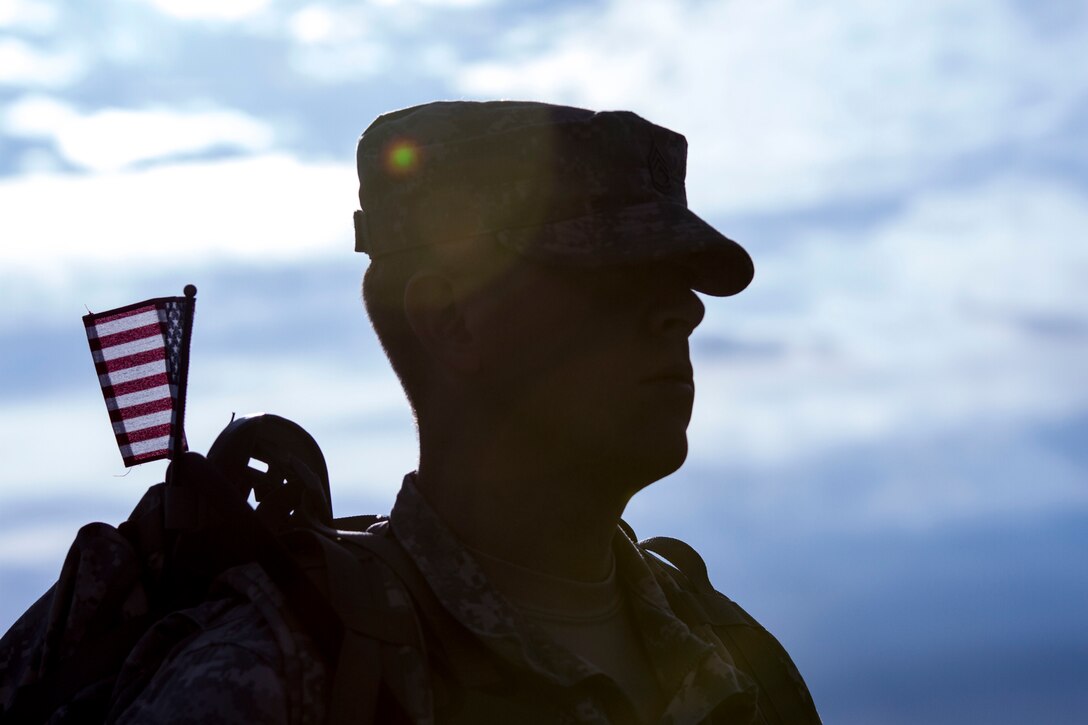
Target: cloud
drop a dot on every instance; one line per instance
(919, 364)
(22, 64)
(337, 44)
(27, 15)
(914, 324)
(403, 42)
(312, 24)
(791, 104)
(262, 208)
(458, 4)
(209, 10)
(115, 138)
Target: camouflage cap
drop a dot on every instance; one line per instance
(554, 183)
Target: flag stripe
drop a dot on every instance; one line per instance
(154, 406)
(129, 348)
(133, 373)
(152, 456)
(130, 423)
(107, 366)
(135, 386)
(144, 396)
(157, 431)
(144, 458)
(111, 316)
(144, 449)
(119, 338)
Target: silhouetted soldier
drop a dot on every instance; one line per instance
(532, 280)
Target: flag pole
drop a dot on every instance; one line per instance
(183, 363)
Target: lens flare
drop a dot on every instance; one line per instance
(402, 157)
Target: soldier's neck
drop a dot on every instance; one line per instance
(554, 521)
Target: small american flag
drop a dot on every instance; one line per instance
(141, 356)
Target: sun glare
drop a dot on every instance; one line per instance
(402, 157)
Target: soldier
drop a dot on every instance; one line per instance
(533, 282)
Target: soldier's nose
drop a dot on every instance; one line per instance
(677, 314)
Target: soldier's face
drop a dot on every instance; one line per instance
(595, 363)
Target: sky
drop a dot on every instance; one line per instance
(888, 459)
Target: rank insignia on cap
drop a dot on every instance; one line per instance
(659, 170)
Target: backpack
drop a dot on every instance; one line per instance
(62, 660)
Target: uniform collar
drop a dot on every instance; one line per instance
(696, 674)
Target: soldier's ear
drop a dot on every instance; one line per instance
(438, 322)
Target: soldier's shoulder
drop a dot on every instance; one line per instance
(235, 658)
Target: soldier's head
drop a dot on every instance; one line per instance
(538, 263)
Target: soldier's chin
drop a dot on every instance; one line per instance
(666, 459)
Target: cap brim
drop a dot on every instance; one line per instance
(642, 234)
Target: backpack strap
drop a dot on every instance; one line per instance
(355, 589)
(471, 663)
(351, 568)
(784, 699)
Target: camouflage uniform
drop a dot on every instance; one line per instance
(237, 657)
(243, 658)
(542, 682)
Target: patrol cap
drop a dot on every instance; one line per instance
(557, 184)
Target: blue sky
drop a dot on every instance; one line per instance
(888, 461)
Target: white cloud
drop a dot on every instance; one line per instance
(211, 10)
(897, 379)
(343, 61)
(112, 139)
(312, 24)
(27, 15)
(21, 64)
(398, 39)
(915, 329)
(458, 4)
(264, 208)
(796, 103)
(334, 44)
